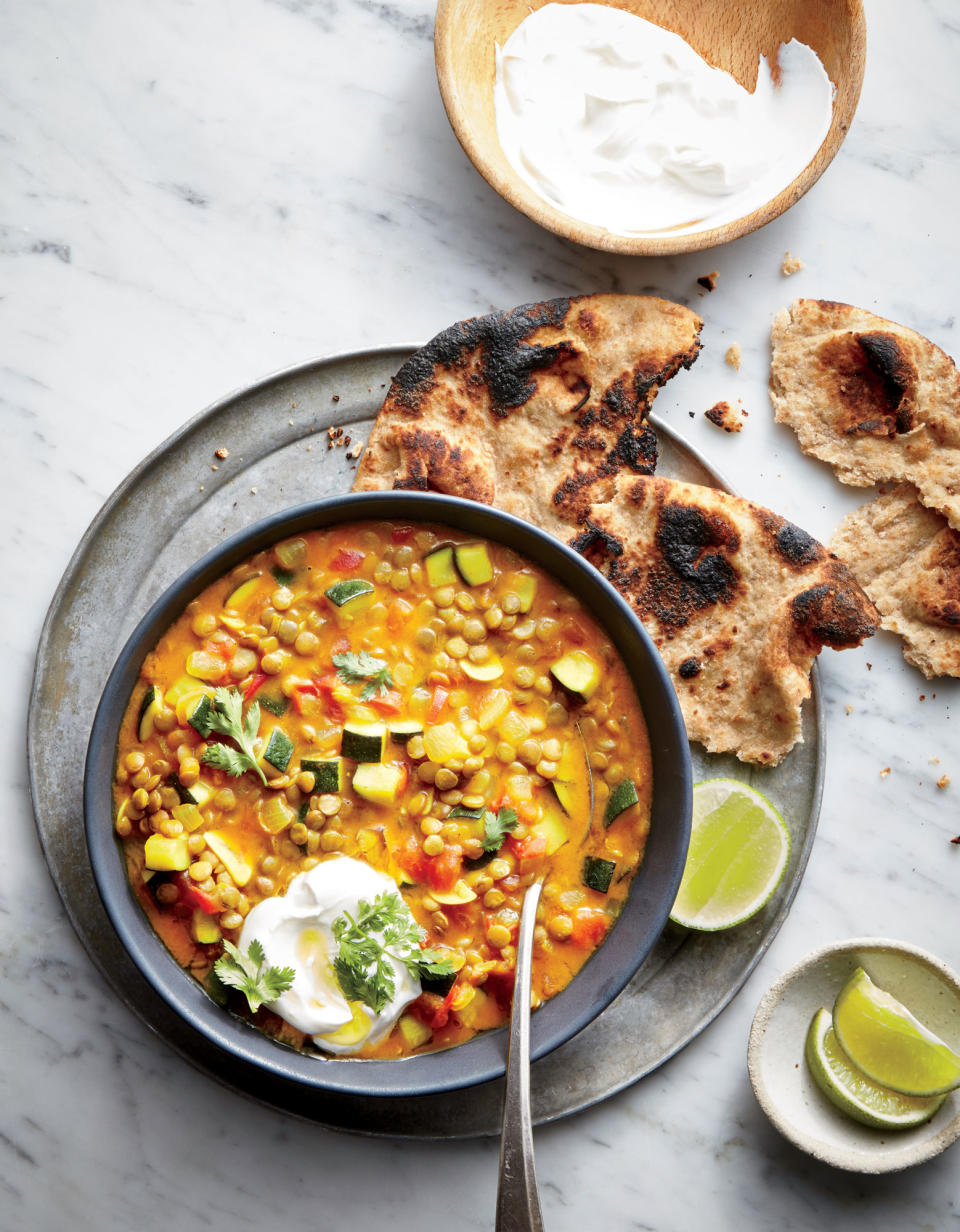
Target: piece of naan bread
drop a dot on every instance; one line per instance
(907, 559)
(535, 410)
(738, 601)
(874, 399)
(539, 411)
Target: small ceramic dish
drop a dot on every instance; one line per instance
(784, 1086)
(466, 33)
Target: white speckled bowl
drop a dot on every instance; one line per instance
(783, 1085)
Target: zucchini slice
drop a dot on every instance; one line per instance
(597, 874)
(278, 705)
(166, 855)
(350, 588)
(327, 773)
(241, 595)
(403, 729)
(363, 741)
(526, 589)
(484, 672)
(623, 796)
(439, 567)
(279, 749)
(199, 717)
(554, 830)
(236, 865)
(577, 673)
(378, 782)
(152, 701)
(416, 1033)
(438, 984)
(473, 563)
(460, 894)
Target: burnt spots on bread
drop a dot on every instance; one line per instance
(433, 464)
(506, 362)
(596, 544)
(691, 570)
(571, 491)
(873, 384)
(690, 668)
(637, 449)
(791, 543)
(835, 613)
(650, 376)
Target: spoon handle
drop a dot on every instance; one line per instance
(518, 1204)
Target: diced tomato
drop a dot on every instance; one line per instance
(398, 613)
(325, 690)
(443, 871)
(437, 703)
(222, 646)
(256, 683)
(346, 560)
(589, 926)
(388, 703)
(400, 534)
(192, 896)
(530, 847)
(440, 872)
(499, 985)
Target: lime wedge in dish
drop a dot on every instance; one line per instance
(739, 847)
(888, 1044)
(852, 1091)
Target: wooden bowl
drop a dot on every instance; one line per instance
(466, 32)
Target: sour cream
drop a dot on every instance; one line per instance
(619, 123)
(296, 930)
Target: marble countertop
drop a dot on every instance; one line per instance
(195, 195)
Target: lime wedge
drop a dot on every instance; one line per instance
(883, 1039)
(852, 1091)
(739, 848)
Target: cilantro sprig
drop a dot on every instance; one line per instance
(352, 668)
(259, 983)
(496, 827)
(226, 717)
(381, 930)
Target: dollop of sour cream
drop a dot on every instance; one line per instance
(619, 123)
(296, 930)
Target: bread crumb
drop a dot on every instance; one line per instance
(790, 265)
(734, 355)
(709, 281)
(943, 781)
(849, 709)
(884, 772)
(221, 453)
(253, 491)
(724, 416)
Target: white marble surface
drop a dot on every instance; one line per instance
(194, 195)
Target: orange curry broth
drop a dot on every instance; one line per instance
(520, 740)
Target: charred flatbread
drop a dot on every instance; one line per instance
(876, 400)
(738, 601)
(536, 410)
(541, 412)
(907, 558)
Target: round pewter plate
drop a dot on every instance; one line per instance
(290, 438)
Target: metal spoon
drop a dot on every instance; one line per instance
(518, 1204)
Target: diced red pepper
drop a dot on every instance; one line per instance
(256, 683)
(389, 703)
(301, 689)
(192, 896)
(440, 872)
(437, 703)
(223, 647)
(400, 534)
(346, 560)
(325, 690)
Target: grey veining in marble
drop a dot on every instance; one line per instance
(194, 195)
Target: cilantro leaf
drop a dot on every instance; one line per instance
(247, 973)
(352, 668)
(381, 930)
(496, 827)
(226, 718)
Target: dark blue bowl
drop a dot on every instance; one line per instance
(258, 1062)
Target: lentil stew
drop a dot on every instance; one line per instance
(430, 704)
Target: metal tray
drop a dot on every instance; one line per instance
(279, 443)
